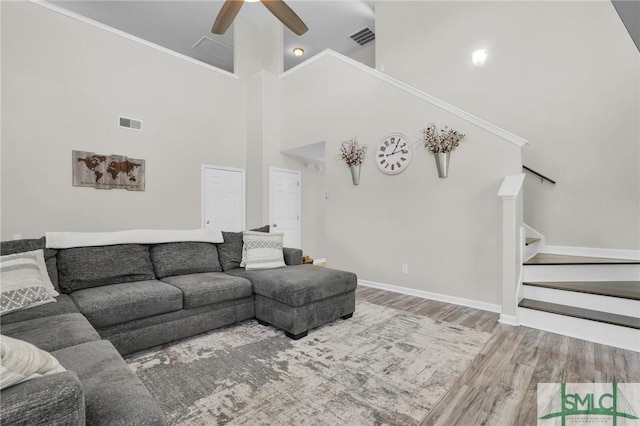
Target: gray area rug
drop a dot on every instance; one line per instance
(383, 366)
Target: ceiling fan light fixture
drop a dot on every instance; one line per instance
(298, 51)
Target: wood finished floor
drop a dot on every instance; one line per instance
(499, 388)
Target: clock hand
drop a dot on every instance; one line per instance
(402, 151)
(395, 148)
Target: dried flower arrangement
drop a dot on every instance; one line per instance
(351, 153)
(444, 141)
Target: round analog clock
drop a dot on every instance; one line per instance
(393, 153)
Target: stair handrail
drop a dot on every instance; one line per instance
(540, 175)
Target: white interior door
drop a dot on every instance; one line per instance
(284, 204)
(223, 200)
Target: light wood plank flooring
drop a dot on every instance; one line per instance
(499, 388)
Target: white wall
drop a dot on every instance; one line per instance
(366, 54)
(446, 230)
(563, 75)
(64, 83)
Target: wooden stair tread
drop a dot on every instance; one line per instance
(623, 289)
(582, 313)
(560, 259)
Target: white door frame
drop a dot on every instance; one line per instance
(244, 191)
(278, 169)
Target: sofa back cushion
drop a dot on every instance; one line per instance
(230, 252)
(184, 258)
(85, 267)
(20, 246)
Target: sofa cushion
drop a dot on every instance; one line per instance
(230, 252)
(19, 246)
(22, 285)
(300, 284)
(112, 392)
(63, 305)
(208, 288)
(21, 361)
(54, 332)
(117, 303)
(184, 258)
(86, 267)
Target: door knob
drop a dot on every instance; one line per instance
(275, 225)
(208, 222)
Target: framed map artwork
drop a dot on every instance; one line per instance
(107, 171)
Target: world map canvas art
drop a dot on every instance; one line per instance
(107, 171)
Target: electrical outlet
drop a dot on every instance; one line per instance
(405, 268)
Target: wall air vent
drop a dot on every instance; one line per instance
(363, 36)
(130, 123)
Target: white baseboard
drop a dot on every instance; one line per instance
(322, 260)
(509, 320)
(590, 252)
(434, 296)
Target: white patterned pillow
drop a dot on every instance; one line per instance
(21, 361)
(21, 284)
(262, 250)
(38, 256)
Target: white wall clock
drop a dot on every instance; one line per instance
(393, 153)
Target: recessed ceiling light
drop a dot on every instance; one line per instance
(479, 57)
(252, 1)
(298, 51)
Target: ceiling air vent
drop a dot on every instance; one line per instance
(214, 50)
(363, 36)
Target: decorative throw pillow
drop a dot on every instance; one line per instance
(230, 252)
(21, 284)
(19, 246)
(38, 256)
(263, 251)
(21, 361)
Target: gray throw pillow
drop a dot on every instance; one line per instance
(230, 252)
(184, 258)
(85, 267)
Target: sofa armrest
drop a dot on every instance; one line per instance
(51, 399)
(292, 256)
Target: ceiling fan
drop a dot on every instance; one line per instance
(279, 8)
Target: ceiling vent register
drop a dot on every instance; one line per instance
(214, 50)
(363, 36)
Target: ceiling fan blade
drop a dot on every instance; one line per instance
(225, 17)
(287, 16)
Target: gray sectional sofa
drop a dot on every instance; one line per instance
(116, 300)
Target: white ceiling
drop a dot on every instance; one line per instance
(179, 25)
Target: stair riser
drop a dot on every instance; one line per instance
(593, 331)
(613, 305)
(547, 273)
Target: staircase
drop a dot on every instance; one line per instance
(590, 298)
